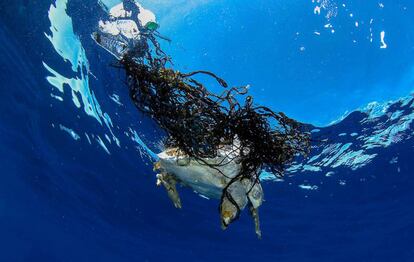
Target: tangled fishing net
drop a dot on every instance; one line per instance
(199, 122)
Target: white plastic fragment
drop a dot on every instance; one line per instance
(383, 44)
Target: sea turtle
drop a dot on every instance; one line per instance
(119, 35)
(214, 178)
(239, 139)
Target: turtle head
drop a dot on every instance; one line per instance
(228, 212)
(226, 218)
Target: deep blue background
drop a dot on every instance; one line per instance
(66, 200)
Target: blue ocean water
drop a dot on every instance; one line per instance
(76, 156)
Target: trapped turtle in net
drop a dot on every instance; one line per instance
(215, 144)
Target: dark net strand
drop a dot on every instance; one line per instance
(199, 122)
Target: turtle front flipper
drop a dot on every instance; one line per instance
(254, 212)
(157, 166)
(169, 182)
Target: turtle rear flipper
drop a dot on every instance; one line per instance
(254, 192)
(255, 196)
(254, 212)
(169, 182)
